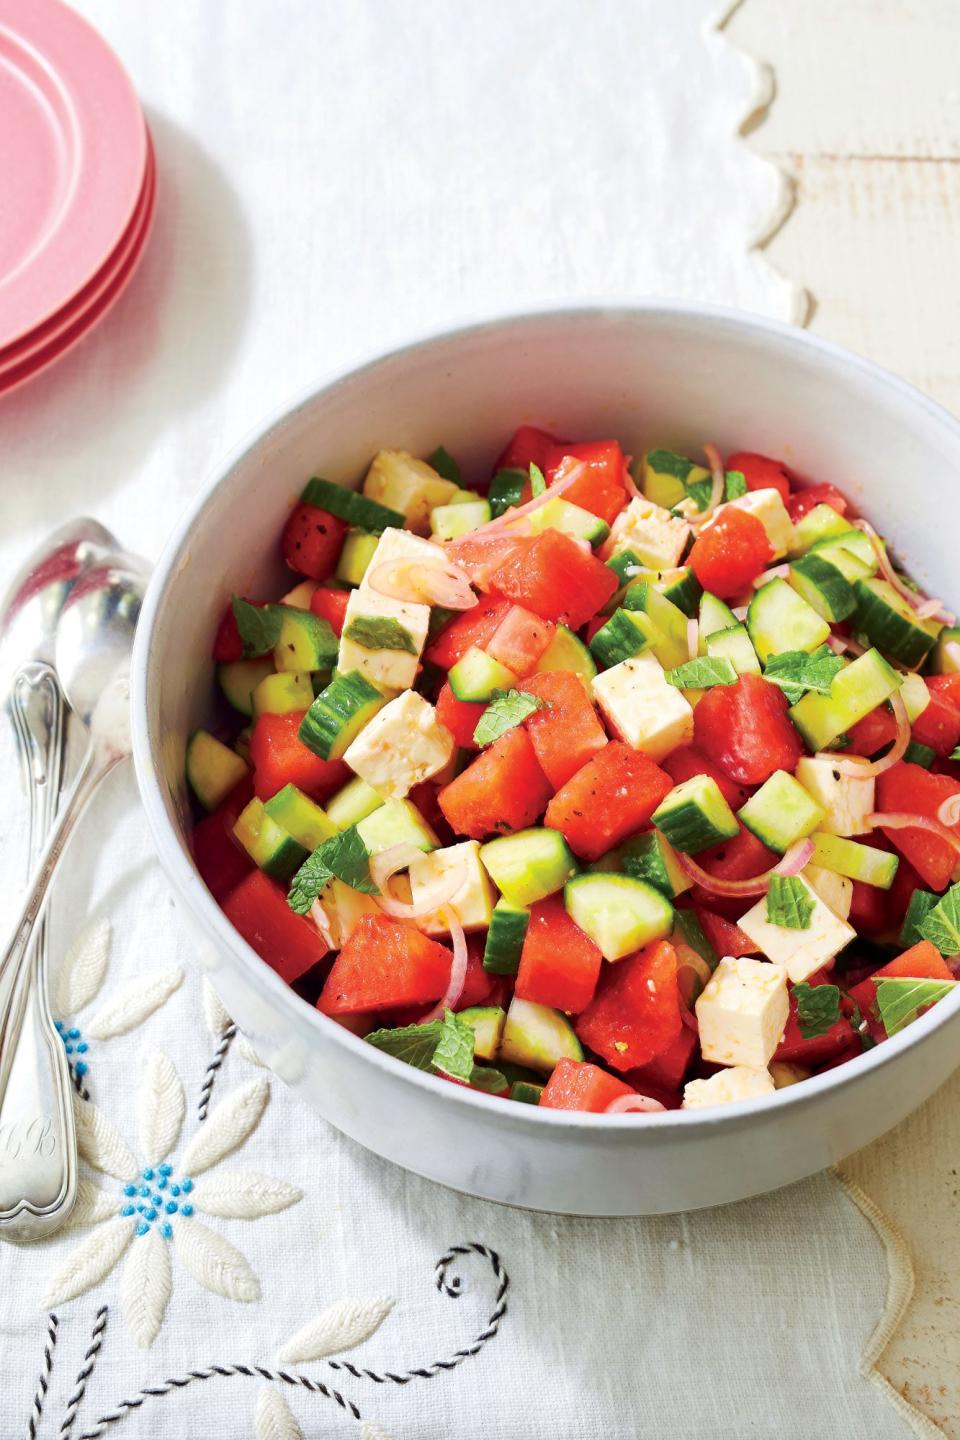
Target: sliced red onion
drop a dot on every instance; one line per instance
(932, 609)
(715, 461)
(949, 811)
(424, 583)
(799, 854)
(901, 820)
(519, 512)
(861, 769)
(740, 611)
(843, 645)
(693, 973)
(458, 969)
(388, 863)
(629, 484)
(634, 1104)
(319, 917)
(776, 572)
(693, 638)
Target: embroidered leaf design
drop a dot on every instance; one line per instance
(227, 1126)
(87, 1265)
(214, 1263)
(370, 1431)
(132, 1004)
(100, 1143)
(243, 1195)
(145, 1287)
(161, 1108)
(92, 1205)
(338, 1327)
(273, 1419)
(83, 968)
(213, 1012)
(248, 1052)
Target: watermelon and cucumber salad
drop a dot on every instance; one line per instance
(593, 784)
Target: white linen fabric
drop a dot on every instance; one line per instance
(333, 178)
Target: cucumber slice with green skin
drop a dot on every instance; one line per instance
(506, 490)
(890, 623)
(529, 865)
(682, 588)
(505, 936)
(619, 639)
(946, 652)
(213, 769)
(652, 858)
(820, 523)
(626, 565)
(695, 815)
(339, 713)
(477, 675)
(526, 1093)
(917, 754)
(687, 930)
(921, 903)
(358, 550)
(666, 476)
(853, 543)
(665, 625)
(619, 914)
(734, 644)
(301, 817)
(858, 862)
(398, 822)
(306, 642)
(915, 696)
(850, 566)
(779, 619)
(856, 690)
(239, 678)
(268, 844)
(348, 505)
(713, 615)
(538, 1037)
(567, 652)
(460, 517)
(780, 812)
(822, 586)
(570, 519)
(280, 694)
(486, 1022)
(353, 803)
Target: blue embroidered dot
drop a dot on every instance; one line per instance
(162, 1183)
(144, 1191)
(171, 1207)
(148, 1174)
(186, 1209)
(69, 1049)
(150, 1214)
(127, 1210)
(141, 1209)
(186, 1185)
(59, 1025)
(81, 1067)
(83, 1047)
(166, 1230)
(73, 1033)
(142, 1229)
(174, 1189)
(129, 1189)
(165, 1169)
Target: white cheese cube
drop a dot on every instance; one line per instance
(389, 668)
(642, 707)
(727, 1087)
(741, 1012)
(401, 482)
(834, 890)
(799, 952)
(767, 506)
(652, 533)
(401, 545)
(845, 800)
(400, 747)
(472, 902)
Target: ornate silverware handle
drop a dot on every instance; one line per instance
(38, 1165)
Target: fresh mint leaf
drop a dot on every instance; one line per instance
(507, 709)
(667, 462)
(917, 754)
(537, 483)
(818, 1008)
(445, 465)
(788, 903)
(444, 1046)
(955, 754)
(703, 673)
(342, 857)
(700, 491)
(380, 632)
(796, 672)
(921, 903)
(900, 1001)
(484, 1077)
(454, 1053)
(734, 485)
(942, 924)
(259, 626)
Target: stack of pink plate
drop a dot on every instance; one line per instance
(77, 182)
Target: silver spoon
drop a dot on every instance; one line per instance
(91, 651)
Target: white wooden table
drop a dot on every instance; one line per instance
(866, 121)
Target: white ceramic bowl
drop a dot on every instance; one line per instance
(662, 374)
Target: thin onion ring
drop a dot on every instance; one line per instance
(688, 959)
(389, 862)
(799, 854)
(913, 598)
(861, 769)
(843, 645)
(322, 921)
(775, 572)
(949, 812)
(519, 512)
(629, 484)
(458, 968)
(422, 582)
(901, 820)
(636, 1104)
(715, 462)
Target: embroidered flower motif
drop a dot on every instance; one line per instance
(155, 1203)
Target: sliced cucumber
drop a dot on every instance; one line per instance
(538, 1037)
(306, 642)
(652, 858)
(667, 475)
(339, 713)
(239, 678)
(859, 862)
(855, 545)
(486, 1022)
(624, 635)
(915, 696)
(506, 490)
(529, 865)
(850, 566)
(695, 815)
(682, 588)
(476, 675)
(627, 565)
(449, 522)
(823, 587)
(665, 624)
(359, 548)
(779, 619)
(353, 803)
(735, 645)
(505, 937)
(213, 769)
(917, 754)
(946, 654)
(526, 1093)
(348, 505)
(268, 844)
(856, 690)
(820, 523)
(282, 693)
(619, 914)
(567, 652)
(301, 817)
(780, 812)
(890, 622)
(714, 615)
(570, 519)
(687, 930)
(398, 822)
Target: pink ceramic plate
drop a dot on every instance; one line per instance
(87, 301)
(24, 370)
(73, 150)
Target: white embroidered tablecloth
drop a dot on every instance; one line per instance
(332, 178)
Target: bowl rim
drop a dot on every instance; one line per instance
(185, 879)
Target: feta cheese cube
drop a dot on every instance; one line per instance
(403, 745)
(799, 952)
(401, 482)
(472, 902)
(652, 533)
(400, 545)
(845, 800)
(767, 506)
(642, 707)
(742, 1011)
(389, 668)
(727, 1087)
(834, 890)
